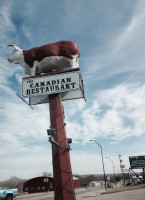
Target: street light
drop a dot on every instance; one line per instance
(119, 175)
(102, 162)
(113, 170)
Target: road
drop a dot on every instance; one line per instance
(138, 194)
(41, 196)
(50, 195)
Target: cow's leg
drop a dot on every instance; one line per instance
(33, 69)
(75, 63)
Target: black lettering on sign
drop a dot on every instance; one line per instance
(28, 92)
(67, 86)
(42, 89)
(53, 82)
(37, 90)
(56, 87)
(33, 91)
(48, 83)
(68, 79)
(31, 85)
(73, 85)
(62, 87)
(62, 81)
(51, 88)
(47, 89)
(36, 84)
(42, 84)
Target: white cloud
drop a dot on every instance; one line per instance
(82, 161)
(116, 112)
(19, 121)
(5, 22)
(26, 164)
(132, 36)
(85, 163)
(6, 25)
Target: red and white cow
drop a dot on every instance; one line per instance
(50, 57)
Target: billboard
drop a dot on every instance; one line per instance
(122, 166)
(69, 85)
(137, 162)
(77, 94)
(51, 84)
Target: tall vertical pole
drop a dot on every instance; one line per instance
(143, 175)
(102, 162)
(63, 182)
(113, 171)
(103, 168)
(122, 170)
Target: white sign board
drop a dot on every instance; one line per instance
(76, 94)
(46, 85)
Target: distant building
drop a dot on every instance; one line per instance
(43, 184)
(76, 182)
(38, 184)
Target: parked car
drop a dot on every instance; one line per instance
(8, 194)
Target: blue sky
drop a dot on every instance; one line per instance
(110, 35)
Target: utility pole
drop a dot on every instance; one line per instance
(143, 175)
(120, 160)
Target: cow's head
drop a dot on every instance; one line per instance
(15, 57)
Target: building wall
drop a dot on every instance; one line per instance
(76, 183)
(43, 184)
(38, 184)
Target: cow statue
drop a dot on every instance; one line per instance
(48, 58)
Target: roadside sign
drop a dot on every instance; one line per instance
(51, 84)
(122, 166)
(137, 162)
(75, 94)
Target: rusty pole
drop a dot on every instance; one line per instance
(63, 182)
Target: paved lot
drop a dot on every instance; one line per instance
(134, 193)
(138, 194)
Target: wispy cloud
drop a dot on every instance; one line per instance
(115, 112)
(124, 53)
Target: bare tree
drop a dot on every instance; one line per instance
(13, 182)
